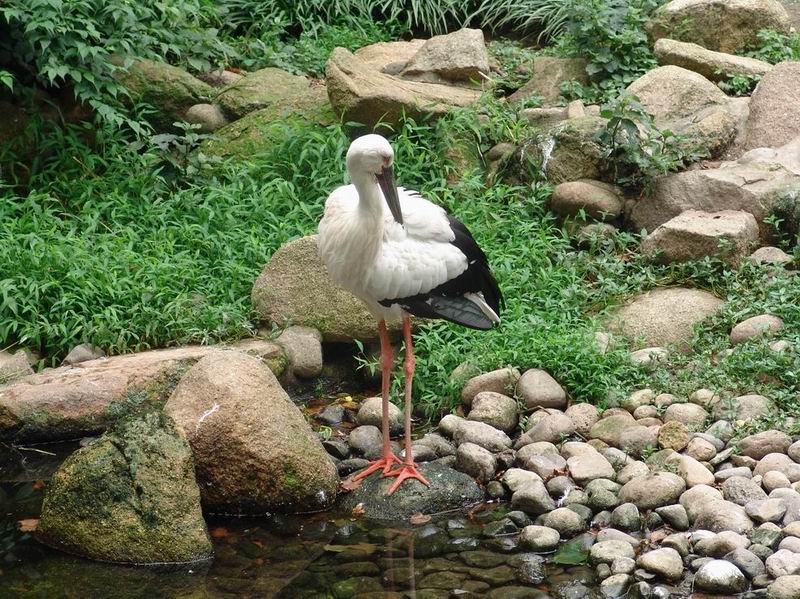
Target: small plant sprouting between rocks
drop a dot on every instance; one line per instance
(637, 149)
(738, 84)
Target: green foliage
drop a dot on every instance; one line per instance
(515, 61)
(548, 17)
(431, 16)
(308, 53)
(638, 150)
(610, 34)
(70, 44)
(774, 47)
(739, 85)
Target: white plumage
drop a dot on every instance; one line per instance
(401, 254)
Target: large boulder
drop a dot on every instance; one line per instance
(295, 288)
(755, 183)
(664, 316)
(720, 25)
(693, 235)
(460, 56)
(254, 451)
(170, 90)
(389, 57)
(549, 72)
(129, 496)
(264, 88)
(570, 150)
(687, 103)
(69, 402)
(363, 95)
(263, 129)
(714, 66)
(448, 490)
(775, 108)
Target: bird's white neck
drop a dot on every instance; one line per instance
(370, 202)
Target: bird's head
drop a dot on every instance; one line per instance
(372, 156)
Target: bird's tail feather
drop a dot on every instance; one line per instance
(462, 311)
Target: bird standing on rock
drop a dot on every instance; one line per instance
(402, 255)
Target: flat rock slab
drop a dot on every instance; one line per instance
(714, 66)
(448, 490)
(75, 401)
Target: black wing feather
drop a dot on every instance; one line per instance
(447, 300)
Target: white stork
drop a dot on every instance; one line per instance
(402, 255)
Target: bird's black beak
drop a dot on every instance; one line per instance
(389, 189)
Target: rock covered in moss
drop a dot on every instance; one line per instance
(171, 90)
(721, 25)
(295, 288)
(448, 490)
(129, 496)
(253, 449)
(261, 89)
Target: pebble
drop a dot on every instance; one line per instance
(785, 587)
(783, 563)
(757, 326)
(687, 413)
(720, 576)
(605, 552)
(749, 563)
(539, 538)
(566, 521)
(674, 515)
(664, 562)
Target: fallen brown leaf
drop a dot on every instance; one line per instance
(358, 510)
(349, 484)
(28, 525)
(419, 518)
(219, 533)
(38, 485)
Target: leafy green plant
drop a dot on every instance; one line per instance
(548, 17)
(774, 47)
(612, 37)
(58, 44)
(739, 85)
(181, 150)
(637, 149)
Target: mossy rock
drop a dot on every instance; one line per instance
(171, 90)
(128, 497)
(253, 448)
(570, 150)
(265, 88)
(263, 129)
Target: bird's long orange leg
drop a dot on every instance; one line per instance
(409, 468)
(388, 459)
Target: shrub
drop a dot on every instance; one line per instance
(774, 47)
(610, 34)
(59, 44)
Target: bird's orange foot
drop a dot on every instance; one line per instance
(405, 472)
(385, 463)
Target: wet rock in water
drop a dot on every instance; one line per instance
(539, 538)
(720, 576)
(129, 496)
(254, 451)
(371, 413)
(530, 567)
(449, 489)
